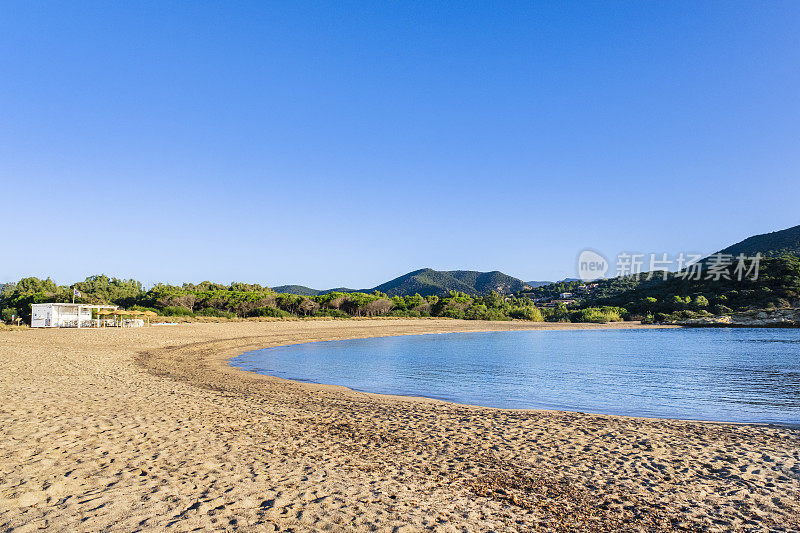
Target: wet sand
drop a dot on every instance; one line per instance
(143, 429)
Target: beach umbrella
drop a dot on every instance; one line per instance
(148, 314)
(118, 313)
(134, 313)
(103, 312)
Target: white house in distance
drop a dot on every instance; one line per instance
(53, 315)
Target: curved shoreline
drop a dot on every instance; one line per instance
(233, 363)
(150, 429)
(521, 486)
(222, 360)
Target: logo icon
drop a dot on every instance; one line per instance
(591, 265)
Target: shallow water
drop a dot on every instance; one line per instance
(735, 375)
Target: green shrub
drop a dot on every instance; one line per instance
(452, 313)
(482, 312)
(9, 312)
(269, 311)
(598, 315)
(476, 312)
(557, 314)
(701, 301)
(534, 314)
(686, 314)
(678, 301)
(683, 315)
(172, 310)
(720, 309)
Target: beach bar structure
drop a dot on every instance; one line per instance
(58, 315)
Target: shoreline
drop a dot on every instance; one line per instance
(231, 363)
(228, 362)
(151, 428)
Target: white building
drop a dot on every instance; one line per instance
(64, 315)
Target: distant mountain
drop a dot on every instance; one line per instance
(428, 282)
(438, 282)
(296, 289)
(341, 289)
(535, 284)
(302, 290)
(785, 241)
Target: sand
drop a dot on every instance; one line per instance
(144, 429)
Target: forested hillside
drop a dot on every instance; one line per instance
(680, 296)
(776, 286)
(429, 282)
(781, 242)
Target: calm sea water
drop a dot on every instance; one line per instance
(735, 375)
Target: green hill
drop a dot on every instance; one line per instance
(777, 286)
(302, 290)
(785, 241)
(296, 289)
(428, 282)
(778, 283)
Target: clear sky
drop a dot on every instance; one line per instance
(345, 143)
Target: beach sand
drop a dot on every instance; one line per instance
(141, 429)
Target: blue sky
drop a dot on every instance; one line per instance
(345, 143)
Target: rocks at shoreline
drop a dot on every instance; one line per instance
(759, 318)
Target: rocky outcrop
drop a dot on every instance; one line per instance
(768, 318)
(722, 320)
(773, 318)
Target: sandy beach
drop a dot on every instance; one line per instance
(145, 429)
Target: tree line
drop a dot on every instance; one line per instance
(243, 300)
(621, 298)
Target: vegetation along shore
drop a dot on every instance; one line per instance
(662, 299)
